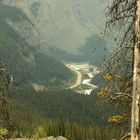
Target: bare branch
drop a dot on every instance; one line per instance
(126, 136)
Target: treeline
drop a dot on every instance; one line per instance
(60, 112)
(72, 131)
(53, 103)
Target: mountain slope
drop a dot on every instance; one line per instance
(95, 50)
(24, 60)
(62, 23)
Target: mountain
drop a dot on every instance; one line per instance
(24, 60)
(61, 24)
(95, 50)
(31, 32)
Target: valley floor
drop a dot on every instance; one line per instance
(79, 76)
(81, 81)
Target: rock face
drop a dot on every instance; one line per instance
(60, 23)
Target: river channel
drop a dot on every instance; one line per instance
(84, 69)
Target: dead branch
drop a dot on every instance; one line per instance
(126, 136)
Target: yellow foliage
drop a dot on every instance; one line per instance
(3, 132)
(115, 119)
(108, 77)
(103, 92)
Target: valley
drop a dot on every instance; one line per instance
(84, 73)
(53, 50)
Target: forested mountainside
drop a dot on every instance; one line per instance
(61, 113)
(25, 61)
(65, 26)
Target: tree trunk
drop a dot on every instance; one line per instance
(135, 116)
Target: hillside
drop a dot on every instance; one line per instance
(95, 50)
(60, 113)
(62, 25)
(24, 60)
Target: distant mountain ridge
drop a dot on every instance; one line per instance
(62, 23)
(64, 28)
